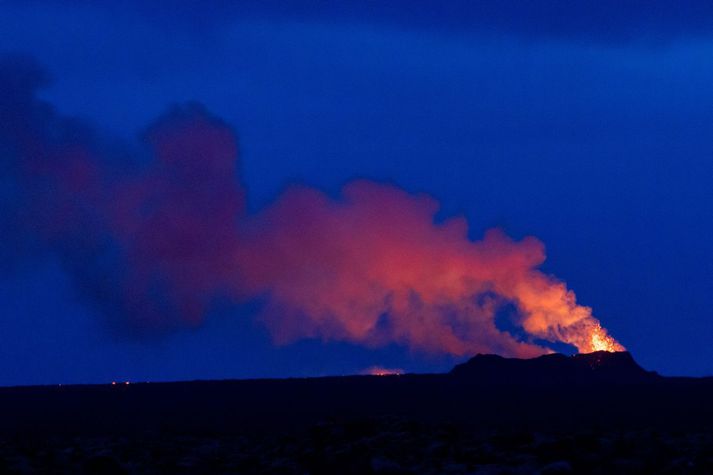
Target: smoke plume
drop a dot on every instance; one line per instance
(153, 234)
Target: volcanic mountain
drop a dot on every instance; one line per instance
(555, 369)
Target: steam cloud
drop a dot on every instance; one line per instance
(153, 236)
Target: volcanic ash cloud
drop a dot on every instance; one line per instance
(153, 233)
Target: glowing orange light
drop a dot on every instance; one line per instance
(601, 341)
(379, 371)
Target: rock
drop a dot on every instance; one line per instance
(556, 468)
(454, 468)
(490, 469)
(385, 466)
(437, 449)
(102, 464)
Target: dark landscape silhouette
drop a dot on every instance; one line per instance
(588, 413)
(356, 237)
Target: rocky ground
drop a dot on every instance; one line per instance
(367, 446)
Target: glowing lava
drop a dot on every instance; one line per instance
(379, 371)
(601, 341)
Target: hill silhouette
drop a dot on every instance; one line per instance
(487, 390)
(488, 410)
(601, 367)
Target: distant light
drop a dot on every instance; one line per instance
(381, 371)
(113, 383)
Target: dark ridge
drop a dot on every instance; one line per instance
(555, 369)
(592, 413)
(552, 392)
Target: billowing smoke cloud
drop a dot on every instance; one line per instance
(154, 236)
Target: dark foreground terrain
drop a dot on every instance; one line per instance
(596, 413)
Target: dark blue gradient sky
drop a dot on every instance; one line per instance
(586, 124)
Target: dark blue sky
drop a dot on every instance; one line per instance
(586, 124)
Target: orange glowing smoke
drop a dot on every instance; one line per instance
(373, 267)
(155, 245)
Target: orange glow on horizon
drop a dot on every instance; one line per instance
(379, 371)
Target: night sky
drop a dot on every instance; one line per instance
(588, 125)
